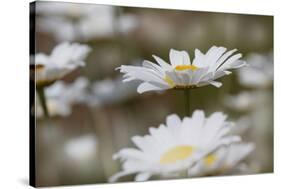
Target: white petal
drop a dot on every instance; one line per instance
(216, 83)
(153, 66)
(199, 59)
(144, 87)
(162, 63)
(179, 57)
(229, 62)
(142, 177)
(173, 121)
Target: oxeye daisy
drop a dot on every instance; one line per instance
(174, 147)
(181, 73)
(64, 58)
(223, 161)
(61, 96)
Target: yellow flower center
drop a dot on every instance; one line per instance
(175, 154)
(186, 67)
(210, 160)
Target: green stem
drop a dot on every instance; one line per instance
(42, 98)
(187, 101)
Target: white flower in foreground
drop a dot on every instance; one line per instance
(60, 97)
(176, 146)
(223, 161)
(64, 58)
(259, 73)
(182, 73)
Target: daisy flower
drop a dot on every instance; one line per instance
(60, 97)
(64, 58)
(259, 74)
(176, 146)
(223, 160)
(181, 73)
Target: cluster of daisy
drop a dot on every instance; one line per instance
(70, 21)
(196, 145)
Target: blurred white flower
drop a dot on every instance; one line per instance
(71, 10)
(60, 97)
(181, 73)
(243, 101)
(242, 125)
(176, 146)
(64, 58)
(81, 148)
(68, 21)
(110, 91)
(223, 161)
(260, 72)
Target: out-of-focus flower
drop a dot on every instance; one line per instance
(222, 161)
(81, 148)
(242, 125)
(176, 146)
(111, 91)
(64, 58)
(72, 10)
(243, 101)
(181, 73)
(260, 72)
(60, 97)
(83, 22)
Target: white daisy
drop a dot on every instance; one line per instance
(110, 91)
(60, 97)
(223, 160)
(82, 148)
(244, 101)
(176, 146)
(260, 72)
(64, 58)
(181, 73)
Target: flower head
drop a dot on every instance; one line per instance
(176, 146)
(60, 97)
(259, 74)
(64, 58)
(223, 160)
(182, 73)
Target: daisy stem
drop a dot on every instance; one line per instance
(187, 101)
(42, 98)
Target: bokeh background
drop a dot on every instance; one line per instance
(77, 147)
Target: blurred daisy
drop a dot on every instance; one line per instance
(68, 21)
(182, 73)
(60, 97)
(176, 146)
(82, 148)
(243, 101)
(259, 74)
(223, 161)
(64, 58)
(110, 91)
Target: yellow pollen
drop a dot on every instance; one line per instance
(169, 81)
(210, 160)
(186, 67)
(175, 154)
